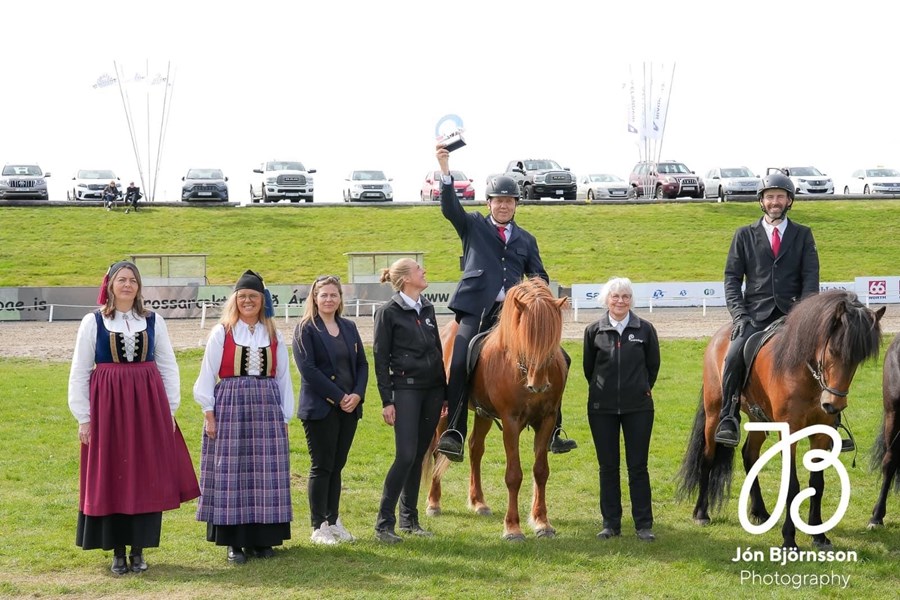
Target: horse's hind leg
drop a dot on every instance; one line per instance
(541, 470)
(476, 452)
(889, 466)
(750, 454)
(433, 468)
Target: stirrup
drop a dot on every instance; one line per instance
(453, 438)
(560, 444)
(724, 436)
(847, 443)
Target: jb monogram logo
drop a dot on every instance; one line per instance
(813, 460)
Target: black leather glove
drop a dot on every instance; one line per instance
(737, 329)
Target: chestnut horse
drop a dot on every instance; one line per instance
(886, 451)
(519, 381)
(801, 377)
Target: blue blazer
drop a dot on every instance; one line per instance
(314, 355)
(488, 262)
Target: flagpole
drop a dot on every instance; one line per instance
(129, 121)
(164, 121)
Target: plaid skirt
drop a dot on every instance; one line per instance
(245, 471)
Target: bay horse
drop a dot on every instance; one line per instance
(519, 382)
(886, 450)
(801, 376)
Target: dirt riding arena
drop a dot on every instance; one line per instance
(55, 341)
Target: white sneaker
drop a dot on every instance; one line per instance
(340, 532)
(323, 535)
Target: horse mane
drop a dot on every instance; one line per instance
(530, 324)
(851, 330)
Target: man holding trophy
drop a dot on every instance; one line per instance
(497, 254)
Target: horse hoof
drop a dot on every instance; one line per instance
(873, 525)
(514, 537)
(483, 511)
(547, 532)
(433, 511)
(702, 521)
(826, 545)
(759, 519)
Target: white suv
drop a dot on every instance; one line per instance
(90, 183)
(23, 181)
(368, 185)
(282, 179)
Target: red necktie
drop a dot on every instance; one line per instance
(776, 241)
(501, 229)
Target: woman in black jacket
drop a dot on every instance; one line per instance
(621, 362)
(409, 369)
(333, 376)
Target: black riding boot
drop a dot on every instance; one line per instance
(728, 433)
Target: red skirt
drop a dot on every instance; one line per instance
(135, 463)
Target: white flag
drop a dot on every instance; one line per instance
(631, 107)
(661, 82)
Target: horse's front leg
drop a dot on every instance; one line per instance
(817, 483)
(789, 529)
(476, 453)
(538, 519)
(512, 531)
(750, 454)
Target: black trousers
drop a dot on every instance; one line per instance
(329, 442)
(417, 414)
(636, 428)
(457, 381)
(734, 369)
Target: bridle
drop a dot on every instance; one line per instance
(818, 372)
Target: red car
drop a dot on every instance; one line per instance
(431, 189)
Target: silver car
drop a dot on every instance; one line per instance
(807, 180)
(601, 185)
(730, 182)
(23, 181)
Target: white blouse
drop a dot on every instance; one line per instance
(128, 324)
(204, 388)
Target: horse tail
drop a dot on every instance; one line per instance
(694, 465)
(877, 451)
(441, 464)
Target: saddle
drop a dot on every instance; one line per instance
(472, 355)
(751, 349)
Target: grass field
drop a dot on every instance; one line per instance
(466, 558)
(579, 243)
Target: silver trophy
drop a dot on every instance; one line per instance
(448, 131)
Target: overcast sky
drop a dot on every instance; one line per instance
(360, 85)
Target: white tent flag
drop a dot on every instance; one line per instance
(631, 107)
(662, 76)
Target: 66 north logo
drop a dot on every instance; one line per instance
(813, 461)
(877, 287)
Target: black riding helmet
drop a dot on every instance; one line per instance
(502, 186)
(776, 181)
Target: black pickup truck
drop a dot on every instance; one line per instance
(541, 178)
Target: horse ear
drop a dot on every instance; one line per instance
(520, 306)
(563, 302)
(880, 313)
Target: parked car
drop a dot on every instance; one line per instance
(89, 184)
(878, 180)
(666, 179)
(23, 181)
(368, 185)
(601, 185)
(204, 184)
(282, 179)
(542, 178)
(730, 182)
(462, 185)
(807, 180)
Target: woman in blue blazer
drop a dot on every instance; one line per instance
(333, 376)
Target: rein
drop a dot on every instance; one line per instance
(818, 373)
